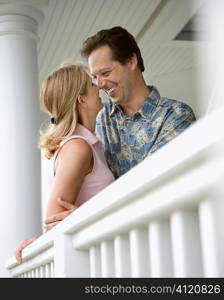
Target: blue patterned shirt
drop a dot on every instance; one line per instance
(129, 139)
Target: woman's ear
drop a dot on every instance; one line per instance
(80, 99)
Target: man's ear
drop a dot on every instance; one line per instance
(133, 62)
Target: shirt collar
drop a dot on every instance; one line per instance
(148, 106)
(150, 103)
(86, 133)
(114, 108)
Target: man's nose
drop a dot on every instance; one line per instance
(100, 82)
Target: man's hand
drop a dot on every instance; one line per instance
(18, 251)
(55, 219)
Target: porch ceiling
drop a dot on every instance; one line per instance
(154, 23)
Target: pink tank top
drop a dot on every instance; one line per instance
(100, 176)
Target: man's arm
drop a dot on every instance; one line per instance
(53, 220)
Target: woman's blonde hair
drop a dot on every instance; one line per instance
(58, 97)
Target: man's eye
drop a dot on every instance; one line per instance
(107, 73)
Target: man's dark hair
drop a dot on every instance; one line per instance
(122, 44)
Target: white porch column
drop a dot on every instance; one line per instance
(20, 190)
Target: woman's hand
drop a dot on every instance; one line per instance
(24, 244)
(50, 222)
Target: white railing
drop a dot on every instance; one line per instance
(164, 218)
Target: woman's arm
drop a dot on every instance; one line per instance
(71, 166)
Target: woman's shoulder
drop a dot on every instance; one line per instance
(74, 154)
(75, 145)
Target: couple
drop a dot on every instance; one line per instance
(134, 123)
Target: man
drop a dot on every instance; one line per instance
(136, 121)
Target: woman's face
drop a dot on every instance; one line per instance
(93, 102)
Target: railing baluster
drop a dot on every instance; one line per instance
(45, 271)
(35, 273)
(107, 259)
(122, 256)
(47, 266)
(139, 253)
(95, 261)
(186, 244)
(38, 272)
(42, 271)
(52, 269)
(160, 249)
(212, 235)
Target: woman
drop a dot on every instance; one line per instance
(79, 169)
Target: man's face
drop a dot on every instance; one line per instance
(110, 75)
